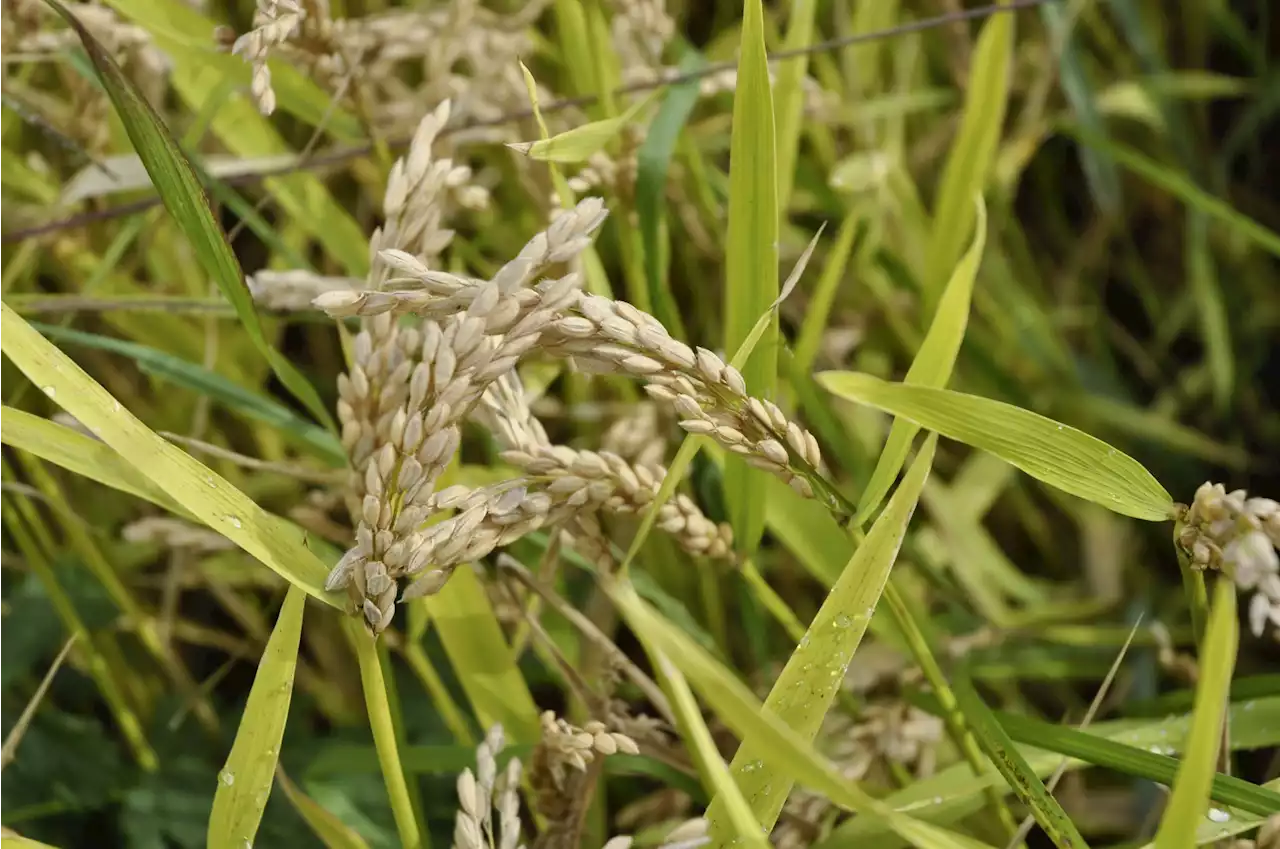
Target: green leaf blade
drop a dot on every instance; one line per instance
(751, 263)
(275, 542)
(973, 154)
(185, 199)
(1057, 454)
(744, 714)
(245, 781)
(1190, 797)
(807, 686)
(1000, 749)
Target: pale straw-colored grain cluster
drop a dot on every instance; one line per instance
(437, 349)
(274, 23)
(488, 815)
(1239, 535)
(488, 801)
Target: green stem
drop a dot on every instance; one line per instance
(773, 602)
(1193, 586)
(918, 643)
(384, 735)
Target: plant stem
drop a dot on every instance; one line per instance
(384, 735)
(918, 643)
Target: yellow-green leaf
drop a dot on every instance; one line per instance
(932, 365)
(1188, 803)
(808, 684)
(577, 144)
(17, 841)
(473, 640)
(970, 159)
(751, 255)
(1057, 454)
(275, 542)
(715, 774)
(790, 94)
(245, 780)
(81, 454)
(744, 714)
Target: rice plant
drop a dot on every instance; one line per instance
(586, 423)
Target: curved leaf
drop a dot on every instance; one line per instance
(1057, 454)
(807, 686)
(186, 480)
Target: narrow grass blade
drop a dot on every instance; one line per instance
(1002, 752)
(245, 780)
(211, 384)
(955, 791)
(195, 486)
(1181, 187)
(715, 774)
(932, 365)
(751, 261)
(652, 162)
(1214, 327)
(744, 714)
(482, 659)
(81, 454)
(1187, 804)
(1057, 454)
(1099, 169)
(973, 153)
(1131, 760)
(184, 197)
(824, 294)
(333, 832)
(808, 684)
(789, 93)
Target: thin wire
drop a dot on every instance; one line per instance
(341, 155)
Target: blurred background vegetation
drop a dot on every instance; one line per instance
(1129, 287)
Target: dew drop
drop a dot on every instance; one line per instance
(937, 800)
(843, 620)
(1218, 815)
(49, 390)
(235, 523)
(752, 766)
(227, 778)
(1249, 705)
(115, 406)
